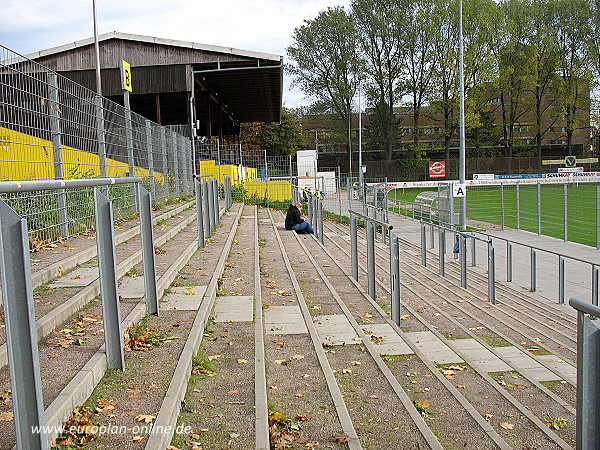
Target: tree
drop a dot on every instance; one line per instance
(379, 24)
(285, 137)
(325, 63)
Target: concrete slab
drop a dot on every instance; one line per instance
(567, 371)
(132, 287)
(284, 320)
(234, 308)
(80, 277)
(184, 298)
(335, 329)
(386, 340)
(480, 356)
(432, 347)
(526, 364)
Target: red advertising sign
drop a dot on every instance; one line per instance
(437, 169)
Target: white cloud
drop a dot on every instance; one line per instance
(259, 25)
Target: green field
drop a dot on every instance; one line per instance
(493, 205)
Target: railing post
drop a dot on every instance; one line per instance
(431, 236)
(395, 277)
(462, 254)
(371, 259)
(473, 250)
(113, 337)
(354, 246)
(561, 280)
(21, 331)
(423, 245)
(508, 261)
(208, 223)
(176, 162)
(491, 274)
(148, 250)
(598, 217)
(595, 285)
(442, 244)
(199, 212)
(588, 383)
(321, 237)
(100, 134)
(216, 200)
(533, 270)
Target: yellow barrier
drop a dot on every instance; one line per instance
(276, 191)
(26, 157)
(209, 167)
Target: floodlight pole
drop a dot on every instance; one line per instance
(97, 48)
(462, 220)
(361, 180)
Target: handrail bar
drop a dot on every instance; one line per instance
(584, 307)
(462, 233)
(574, 258)
(371, 219)
(7, 187)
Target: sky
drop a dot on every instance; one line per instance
(267, 26)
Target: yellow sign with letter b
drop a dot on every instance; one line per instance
(126, 75)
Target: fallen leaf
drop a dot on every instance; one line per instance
(356, 363)
(297, 357)
(6, 416)
(424, 404)
(404, 316)
(340, 438)
(242, 361)
(373, 396)
(137, 438)
(147, 418)
(233, 392)
(507, 426)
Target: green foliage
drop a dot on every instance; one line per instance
(284, 138)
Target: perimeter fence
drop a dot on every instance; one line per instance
(54, 128)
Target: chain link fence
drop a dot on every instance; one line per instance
(54, 128)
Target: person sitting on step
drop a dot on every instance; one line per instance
(294, 220)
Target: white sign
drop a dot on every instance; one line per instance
(483, 176)
(570, 169)
(459, 190)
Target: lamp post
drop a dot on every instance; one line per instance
(462, 220)
(361, 181)
(97, 48)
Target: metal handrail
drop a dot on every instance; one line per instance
(585, 307)
(462, 233)
(7, 187)
(371, 219)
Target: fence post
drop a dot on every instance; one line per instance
(148, 250)
(462, 254)
(539, 208)
(431, 236)
(473, 250)
(111, 313)
(423, 245)
(561, 280)
(199, 212)
(502, 203)
(129, 144)
(208, 223)
(442, 244)
(354, 246)
(533, 270)
(566, 211)
(101, 134)
(371, 259)
(176, 162)
(21, 331)
(588, 383)
(597, 217)
(55, 131)
(395, 276)
(518, 213)
(508, 261)
(491, 273)
(150, 159)
(166, 169)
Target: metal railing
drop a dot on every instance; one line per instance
(394, 249)
(18, 302)
(588, 379)
(561, 258)
(207, 204)
(461, 239)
